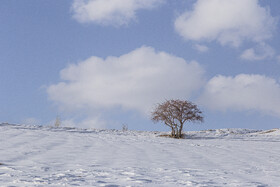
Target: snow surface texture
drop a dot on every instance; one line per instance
(45, 156)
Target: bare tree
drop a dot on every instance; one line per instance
(174, 113)
(57, 121)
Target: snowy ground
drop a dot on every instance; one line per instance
(44, 156)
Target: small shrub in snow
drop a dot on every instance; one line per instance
(124, 127)
(57, 122)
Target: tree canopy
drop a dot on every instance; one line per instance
(174, 114)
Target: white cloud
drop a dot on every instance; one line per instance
(228, 22)
(243, 92)
(261, 52)
(109, 12)
(134, 81)
(201, 48)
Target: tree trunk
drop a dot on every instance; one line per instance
(177, 133)
(172, 132)
(180, 130)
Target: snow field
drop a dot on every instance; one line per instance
(44, 156)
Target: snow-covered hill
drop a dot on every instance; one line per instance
(45, 156)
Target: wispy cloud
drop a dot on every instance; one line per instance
(260, 52)
(201, 48)
(229, 22)
(90, 122)
(110, 12)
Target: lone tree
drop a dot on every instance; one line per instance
(174, 113)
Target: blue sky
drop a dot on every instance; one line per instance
(106, 63)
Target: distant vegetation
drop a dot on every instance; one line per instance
(57, 121)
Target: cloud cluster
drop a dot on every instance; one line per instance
(261, 52)
(134, 81)
(229, 22)
(109, 12)
(243, 92)
(201, 48)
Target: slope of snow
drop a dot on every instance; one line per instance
(42, 156)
